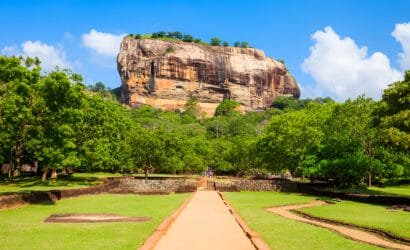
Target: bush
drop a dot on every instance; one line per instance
(188, 38)
(244, 44)
(215, 41)
(227, 108)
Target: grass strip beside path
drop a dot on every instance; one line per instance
(282, 233)
(367, 215)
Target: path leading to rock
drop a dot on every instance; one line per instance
(352, 233)
(205, 223)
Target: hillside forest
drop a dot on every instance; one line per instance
(56, 122)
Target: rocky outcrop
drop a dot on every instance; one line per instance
(165, 74)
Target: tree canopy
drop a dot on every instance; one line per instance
(56, 121)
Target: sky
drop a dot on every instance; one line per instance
(340, 49)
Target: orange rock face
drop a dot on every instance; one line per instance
(165, 74)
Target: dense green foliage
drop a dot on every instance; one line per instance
(55, 120)
(178, 36)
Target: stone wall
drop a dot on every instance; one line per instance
(17, 199)
(164, 186)
(254, 185)
(112, 185)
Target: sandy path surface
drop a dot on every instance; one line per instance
(205, 223)
(351, 233)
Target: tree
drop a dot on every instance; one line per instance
(292, 139)
(350, 145)
(215, 41)
(192, 108)
(20, 106)
(237, 44)
(225, 44)
(289, 102)
(244, 44)
(63, 101)
(227, 108)
(394, 115)
(147, 152)
(188, 38)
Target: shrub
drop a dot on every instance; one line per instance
(244, 44)
(215, 41)
(188, 38)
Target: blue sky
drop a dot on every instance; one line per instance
(332, 63)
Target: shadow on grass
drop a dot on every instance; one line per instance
(27, 184)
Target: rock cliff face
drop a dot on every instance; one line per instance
(165, 74)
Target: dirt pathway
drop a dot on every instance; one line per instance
(205, 223)
(352, 233)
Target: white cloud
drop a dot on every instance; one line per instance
(49, 55)
(9, 50)
(343, 69)
(106, 44)
(402, 35)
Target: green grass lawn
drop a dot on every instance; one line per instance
(34, 183)
(23, 228)
(368, 215)
(282, 233)
(400, 190)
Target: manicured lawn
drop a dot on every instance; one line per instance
(282, 233)
(23, 228)
(403, 190)
(34, 183)
(374, 216)
(400, 190)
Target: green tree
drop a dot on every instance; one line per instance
(349, 154)
(215, 41)
(188, 38)
(193, 109)
(227, 108)
(20, 106)
(244, 44)
(395, 114)
(147, 152)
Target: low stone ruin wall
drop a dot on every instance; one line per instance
(164, 186)
(115, 185)
(282, 185)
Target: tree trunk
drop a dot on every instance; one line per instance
(53, 174)
(44, 175)
(370, 179)
(146, 174)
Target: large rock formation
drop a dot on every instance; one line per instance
(165, 74)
